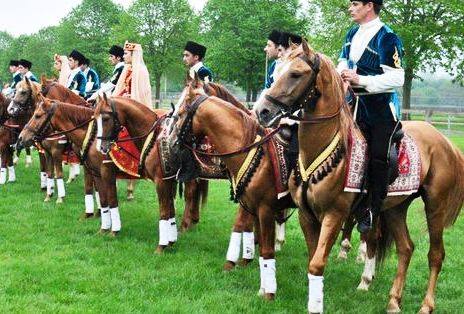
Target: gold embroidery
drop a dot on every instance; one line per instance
(396, 58)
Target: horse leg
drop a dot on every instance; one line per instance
(280, 230)
(9, 162)
(112, 195)
(192, 204)
(57, 156)
(267, 262)
(345, 245)
(370, 239)
(88, 190)
(130, 189)
(330, 228)
(28, 157)
(43, 171)
(50, 177)
(165, 190)
(3, 171)
(395, 219)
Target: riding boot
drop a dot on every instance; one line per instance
(293, 148)
(378, 188)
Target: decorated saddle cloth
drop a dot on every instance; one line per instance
(70, 156)
(278, 153)
(125, 156)
(409, 166)
(211, 168)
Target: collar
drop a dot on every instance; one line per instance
(28, 74)
(194, 69)
(119, 65)
(374, 23)
(86, 71)
(16, 73)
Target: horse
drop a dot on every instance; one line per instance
(310, 82)
(6, 139)
(73, 120)
(230, 129)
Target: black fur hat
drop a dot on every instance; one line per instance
(25, 63)
(274, 36)
(195, 49)
(14, 63)
(116, 51)
(76, 55)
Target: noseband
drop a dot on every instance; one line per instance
(117, 126)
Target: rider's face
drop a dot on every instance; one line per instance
(57, 65)
(189, 58)
(271, 49)
(127, 57)
(13, 68)
(113, 59)
(359, 11)
(22, 69)
(73, 63)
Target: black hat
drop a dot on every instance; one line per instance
(76, 55)
(116, 51)
(379, 2)
(274, 36)
(25, 63)
(14, 63)
(195, 49)
(285, 39)
(86, 62)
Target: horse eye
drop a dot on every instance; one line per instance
(295, 75)
(105, 118)
(37, 116)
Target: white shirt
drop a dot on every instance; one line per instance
(386, 82)
(16, 73)
(194, 69)
(71, 76)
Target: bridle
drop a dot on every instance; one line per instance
(39, 132)
(306, 101)
(117, 126)
(22, 107)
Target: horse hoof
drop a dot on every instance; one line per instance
(114, 234)
(425, 309)
(342, 255)
(47, 199)
(88, 215)
(171, 244)
(59, 200)
(244, 262)
(103, 231)
(130, 196)
(363, 285)
(261, 292)
(160, 249)
(269, 296)
(393, 307)
(228, 266)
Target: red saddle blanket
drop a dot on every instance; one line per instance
(409, 167)
(125, 156)
(279, 165)
(69, 156)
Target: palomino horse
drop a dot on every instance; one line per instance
(230, 129)
(140, 122)
(73, 121)
(324, 205)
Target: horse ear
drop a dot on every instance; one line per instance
(305, 46)
(28, 82)
(43, 79)
(196, 80)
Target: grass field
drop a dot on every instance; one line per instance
(51, 261)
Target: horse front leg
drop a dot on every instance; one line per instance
(267, 262)
(192, 205)
(243, 228)
(330, 228)
(50, 177)
(88, 198)
(345, 244)
(43, 171)
(57, 156)
(370, 240)
(167, 226)
(3, 171)
(28, 157)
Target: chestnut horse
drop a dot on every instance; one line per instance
(229, 129)
(6, 139)
(324, 205)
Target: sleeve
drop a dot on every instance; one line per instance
(344, 54)
(205, 74)
(96, 80)
(391, 51)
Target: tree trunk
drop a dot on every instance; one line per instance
(157, 91)
(248, 95)
(408, 76)
(254, 95)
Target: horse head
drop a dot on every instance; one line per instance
(296, 86)
(26, 97)
(39, 124)
(108, 124)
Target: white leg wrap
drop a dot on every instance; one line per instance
(115, 219)
(362, 251)
(97, 199)
(2, 175)
(268, 275)
(77, 169)
(43, 180)
(71, 172)
(248, 245)
(316, 294)
(368, 274)
(28, 159)
(164, 227)
(50, 186)
(105, 218)
(280, 232)
(89, 206)
(172, 229)
(233, 252)
(11, 174)
(60, 187)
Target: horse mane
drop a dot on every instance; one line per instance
(75, 99)
(223, 93)
(75, 114)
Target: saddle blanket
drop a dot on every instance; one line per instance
(125, 156)
(277, 154)
(409, 167)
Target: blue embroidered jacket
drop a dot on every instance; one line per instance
(204, 72)
(16, 79)
(93, 77)
(385, 48)
(270, 75)
(78, 83)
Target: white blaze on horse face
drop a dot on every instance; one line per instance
(9, 109)
(99, 133)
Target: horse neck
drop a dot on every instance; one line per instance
(67, 117)
(227, 128)
(137, 119)
(63, 94)
(224, 94)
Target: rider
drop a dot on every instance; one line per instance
(193, 58)
(370, 62)
(24, 67)
(76, 80)
(93, 80)
(285, 48)
(116, 58)
(272, 52)
(61, 64)
(16, 74)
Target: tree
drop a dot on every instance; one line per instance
(162, 27)
(236, 32)
(431, 31)
(5, 47)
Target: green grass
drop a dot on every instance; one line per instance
(51, 261)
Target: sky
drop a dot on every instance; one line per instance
(34, 15)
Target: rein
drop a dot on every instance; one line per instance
(60, 133)
(154, 126)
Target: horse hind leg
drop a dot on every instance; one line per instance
(57, 157)
(280, 230)
(165, 189)
(28, 157)
(345, 244)
(192, 205)
(370, 241)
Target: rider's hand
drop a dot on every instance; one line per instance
(350, 76)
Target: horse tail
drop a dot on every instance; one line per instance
(203, 190)
(385, 240)
(456, 195)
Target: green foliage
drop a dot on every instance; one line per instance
(236, 31)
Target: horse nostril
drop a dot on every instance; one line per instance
(265, 113)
